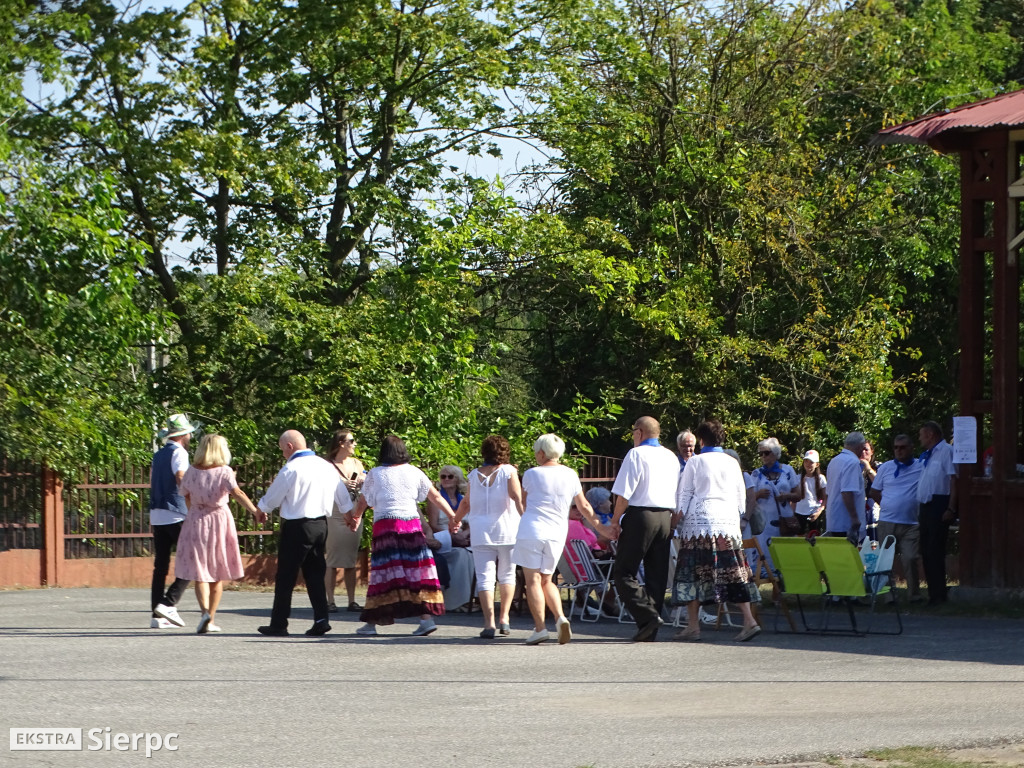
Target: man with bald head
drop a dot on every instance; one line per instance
(646, 490)
(305, 489)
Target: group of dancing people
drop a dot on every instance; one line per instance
(700, 497)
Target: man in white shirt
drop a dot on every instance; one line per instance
(936, 494)
(167, 512)
(305, 489)
(646, 490)
(894, 489)
(845, 507)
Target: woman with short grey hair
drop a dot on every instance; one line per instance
(549, 490)
(775, 486)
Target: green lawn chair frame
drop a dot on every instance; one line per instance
(845, 577)
(829, 568)
(797, 572)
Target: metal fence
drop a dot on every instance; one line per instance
(21, 505)
(106, 510)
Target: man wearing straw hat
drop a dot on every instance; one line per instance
(166, 515)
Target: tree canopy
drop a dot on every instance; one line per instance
(259, 213)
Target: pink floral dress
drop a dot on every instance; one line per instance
(208, 545)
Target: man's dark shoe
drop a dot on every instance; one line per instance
(272, 631)
(649, 631)
(318, 629)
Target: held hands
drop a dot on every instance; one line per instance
(351, 521)
(260, 515)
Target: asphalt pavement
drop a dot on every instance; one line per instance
(86, 659)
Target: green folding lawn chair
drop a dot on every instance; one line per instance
(841, 564)
(798, 572)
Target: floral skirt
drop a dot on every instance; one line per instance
(713, 570)
(403, 577)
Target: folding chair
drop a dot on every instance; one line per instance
(764, 575)
(799, 573)
(845, 575)
(576, 579)
(595, 573)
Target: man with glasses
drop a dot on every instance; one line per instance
(894, 489)
(686, 442)
(646, 490)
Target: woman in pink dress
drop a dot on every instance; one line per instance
(208, 546)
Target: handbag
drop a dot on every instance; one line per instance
(757, 520)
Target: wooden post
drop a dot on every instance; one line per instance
(53, 527)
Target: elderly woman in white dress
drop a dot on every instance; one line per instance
(493, 504)
(549, 490)
(775, 486)
(712, 567)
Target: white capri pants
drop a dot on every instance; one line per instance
(490, 561)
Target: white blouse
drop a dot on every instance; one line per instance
(493, 518)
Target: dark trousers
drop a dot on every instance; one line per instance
(645, 538)
(165, 538)
(934, 532)
(300, 546)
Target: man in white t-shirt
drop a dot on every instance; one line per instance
(936, 494)
(845, 507)
(894, 489)
(646, 490)
(167, 512)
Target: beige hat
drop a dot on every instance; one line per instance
(812, 455)
(177, 425)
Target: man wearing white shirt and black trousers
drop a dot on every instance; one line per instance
(936, 493)
(306, 489)
(646, 490)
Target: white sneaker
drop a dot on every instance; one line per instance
(212, 628)
(170, 613)
(367, 630)
(592, 612)
(538, 637)
(424, 629)
(204, 624)
(158, 622)
(564, 630)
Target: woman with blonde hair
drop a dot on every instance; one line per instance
(342, 550)
(208, 547)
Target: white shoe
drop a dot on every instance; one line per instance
(170, 613)
(212, 628)
(707, 618)
(367, 630)
(538, 637)
(592, 612)
(158, 622)
(204, 624)
(564, 630)
(424, 629)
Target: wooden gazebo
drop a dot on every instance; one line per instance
(989, 137)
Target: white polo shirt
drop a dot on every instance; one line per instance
(936, 473)
(844, 474)
(308, 486)
(899, 492)
(648, 477)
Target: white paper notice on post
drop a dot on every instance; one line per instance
(965, 440)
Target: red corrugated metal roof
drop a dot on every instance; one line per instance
(1006, 110)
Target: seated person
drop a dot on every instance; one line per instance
(578, 529)
(601, 500)
(453, 557)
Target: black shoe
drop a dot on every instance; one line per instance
(332, 608)
(648, 631)
(318, 629)
(272, 631)
(354, 607)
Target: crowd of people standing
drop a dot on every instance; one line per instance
(693, 507)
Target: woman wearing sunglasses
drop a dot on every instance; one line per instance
(775, 486)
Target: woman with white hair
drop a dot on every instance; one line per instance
(775, 486)
(549, 490)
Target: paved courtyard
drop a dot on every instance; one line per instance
(85, 658)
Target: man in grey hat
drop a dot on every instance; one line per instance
(166, 515)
